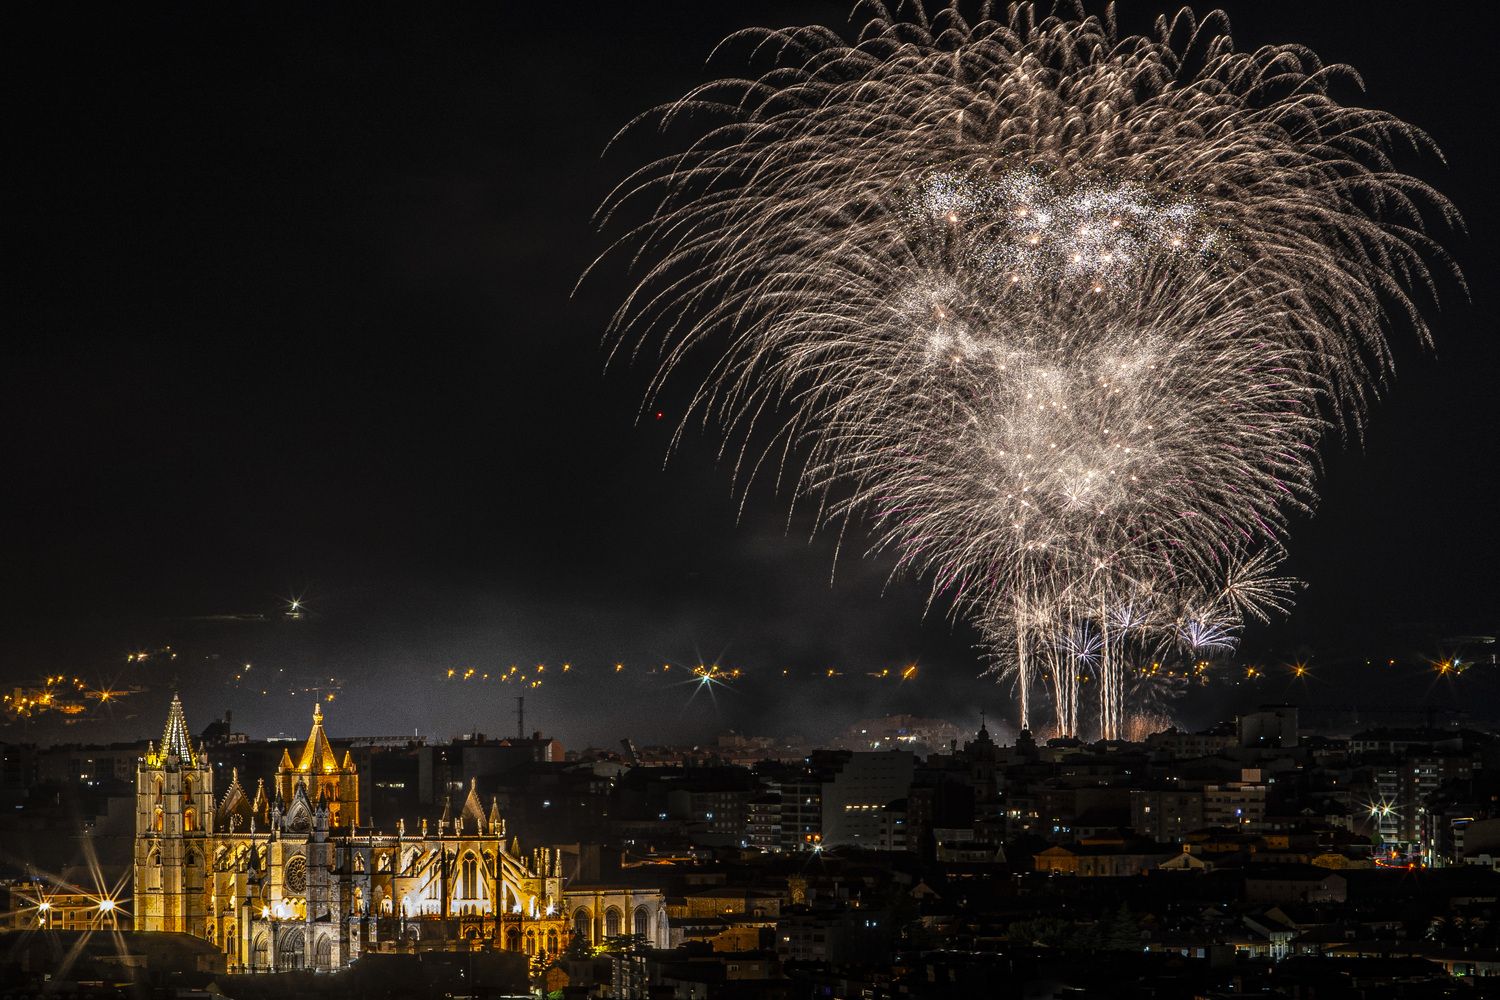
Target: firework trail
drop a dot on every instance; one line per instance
(1062, 316)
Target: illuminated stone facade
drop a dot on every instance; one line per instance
(290, 880)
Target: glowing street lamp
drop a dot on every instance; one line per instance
(107, 910)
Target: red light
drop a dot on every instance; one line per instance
(659, 414)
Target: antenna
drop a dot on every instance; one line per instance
(521, 717)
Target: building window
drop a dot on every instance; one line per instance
(470, 878)
(642, 922)
(294, 877)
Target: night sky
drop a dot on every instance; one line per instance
(291, 313)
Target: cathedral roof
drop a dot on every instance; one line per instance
(317, 756)
(473, 809)
(174, 738)
(235, 803)
(234, 793)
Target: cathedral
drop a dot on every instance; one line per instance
(289, 879)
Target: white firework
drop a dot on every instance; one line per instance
(1062, 317)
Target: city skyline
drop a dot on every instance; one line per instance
(612, 868)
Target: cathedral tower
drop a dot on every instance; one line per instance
(173, 816)
(327, 780)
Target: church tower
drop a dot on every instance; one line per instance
(174, 813)
(326, 779)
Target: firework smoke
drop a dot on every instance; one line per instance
(1062, 316)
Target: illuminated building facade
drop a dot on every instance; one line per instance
(291, 880)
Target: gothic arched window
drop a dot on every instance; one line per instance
(469, 882)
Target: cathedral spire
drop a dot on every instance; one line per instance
(317, 756)
(174, 738)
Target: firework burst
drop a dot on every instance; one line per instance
(1063, 316)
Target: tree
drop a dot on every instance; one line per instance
(1122, 932)
(578, 947)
